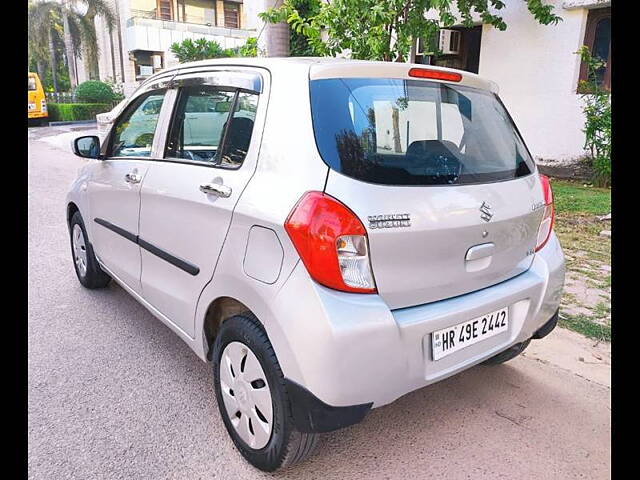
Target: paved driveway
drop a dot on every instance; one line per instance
(115, 394)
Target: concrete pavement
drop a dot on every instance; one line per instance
(114, 394)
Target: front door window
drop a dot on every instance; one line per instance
(134, 132)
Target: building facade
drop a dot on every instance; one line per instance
(535, 65)
(139, 44)
(537, 69)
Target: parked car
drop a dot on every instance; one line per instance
(36, 100)
(329, 234)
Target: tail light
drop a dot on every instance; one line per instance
(43, 105)
(546, 225)
(332, 243)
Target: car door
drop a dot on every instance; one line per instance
(114, 188)
(187, 198)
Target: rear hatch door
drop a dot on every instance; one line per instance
(439, 176)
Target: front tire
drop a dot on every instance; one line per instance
(252, 397)
(85, 263)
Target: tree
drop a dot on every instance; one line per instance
(385, 29)
(90, 53)
(597, 112)
(298, 45)
(202, 49)
(52, 22)
(43, 26)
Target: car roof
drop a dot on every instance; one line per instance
(330, 67)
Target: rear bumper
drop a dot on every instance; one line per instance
(33, 114)
(351, 350)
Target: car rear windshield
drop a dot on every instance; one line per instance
(32, 83)
(415, 132)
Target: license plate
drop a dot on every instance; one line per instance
(449, 340)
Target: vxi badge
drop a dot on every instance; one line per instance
(389, 221)
(485, 212)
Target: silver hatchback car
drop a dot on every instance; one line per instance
(329, 234)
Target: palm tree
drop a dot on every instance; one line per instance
(95, 8)
(43, 25)
(50, 20)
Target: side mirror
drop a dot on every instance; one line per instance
(87, 147)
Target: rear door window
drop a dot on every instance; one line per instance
(238, 136)
(411, 132)
(212, 125)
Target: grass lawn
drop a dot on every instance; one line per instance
(586, 304)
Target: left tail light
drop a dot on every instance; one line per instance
(332, 243)
(546, 225)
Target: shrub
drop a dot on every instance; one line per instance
(597, 127)
(93, 91)
(201, 49)
(69, 112)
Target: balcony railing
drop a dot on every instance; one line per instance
(155, 15)
(145, 13)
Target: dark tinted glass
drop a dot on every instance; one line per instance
(411, 132)
(236, 143)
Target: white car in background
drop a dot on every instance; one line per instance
(329, 234)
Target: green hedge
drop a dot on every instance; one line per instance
(69, 112)
(94, 91)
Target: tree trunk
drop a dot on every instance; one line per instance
(277, 36)
(41, 69)
(113, 56)
(68, 46)
(395, 118)
(91, 61)
(53, 62)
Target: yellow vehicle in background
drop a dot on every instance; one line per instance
(36, 101)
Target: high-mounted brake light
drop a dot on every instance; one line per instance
(546, 225)
(435, 74)
(332, 243)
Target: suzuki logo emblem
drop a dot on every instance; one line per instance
(485, 212)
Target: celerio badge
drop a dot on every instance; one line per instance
(485, 212)
(389, 221)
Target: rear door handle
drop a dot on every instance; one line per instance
(132, 178)
(216, 189)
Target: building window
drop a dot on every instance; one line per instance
(231, 15)
(164, 9)
(460, 49)
(598, 38)
(147, 63)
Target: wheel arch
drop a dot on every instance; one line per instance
(218, 311)
(72, 208)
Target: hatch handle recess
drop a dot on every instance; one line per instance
(480, 251)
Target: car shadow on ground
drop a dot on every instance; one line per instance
(443, 420)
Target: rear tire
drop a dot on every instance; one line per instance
(285, 445)
(508, 354)
(85, 263)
